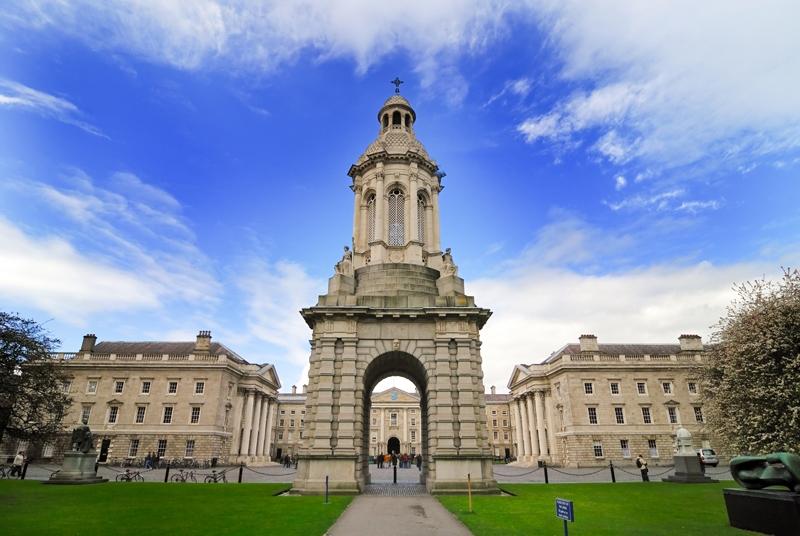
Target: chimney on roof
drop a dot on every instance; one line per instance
(305, 388)
(589, 343)
(494, 389)
(88, 343)
(294, 389)
(203, 343)
(691, 343)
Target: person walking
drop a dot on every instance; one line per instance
(419, 462)
(641, 463)
(16, 465)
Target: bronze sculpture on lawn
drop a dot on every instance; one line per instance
(81, 439)
(776, 469)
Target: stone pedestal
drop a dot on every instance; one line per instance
(77, 468)
(688, 471)
(767, 511)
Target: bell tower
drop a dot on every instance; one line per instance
(395, 306)
(396, 186)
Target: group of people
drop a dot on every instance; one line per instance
(151, 460)
(288, 462)
(403, 461)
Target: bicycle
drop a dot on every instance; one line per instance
(183, 476)
(130, 476)
(215, 477)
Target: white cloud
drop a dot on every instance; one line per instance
(620, 182)
(273, 295)
(686, 81)
(519, 87)
(541, 302)
(50, 274)
(130, 233)
(658, 201)
(258, 35)
(697, 206)
(16, 95)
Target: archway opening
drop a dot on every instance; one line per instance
(395, 420)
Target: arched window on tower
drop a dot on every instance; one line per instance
(421, 217)
(371, 218)
(408, 120)
(396, 118)
(396, 216)
(385, 120)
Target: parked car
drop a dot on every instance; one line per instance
(708, 457)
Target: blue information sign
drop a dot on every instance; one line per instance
(564, 510)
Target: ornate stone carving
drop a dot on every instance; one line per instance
(448, 266)
(345, 266)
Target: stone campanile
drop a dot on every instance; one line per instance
(395, 306)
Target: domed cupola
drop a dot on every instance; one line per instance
(396, 186)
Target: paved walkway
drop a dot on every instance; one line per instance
(397, 516)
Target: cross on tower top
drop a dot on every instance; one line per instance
(396, 83)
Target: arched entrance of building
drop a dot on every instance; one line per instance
(383, 366)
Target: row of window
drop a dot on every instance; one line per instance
(413, 436)
(625, 448)
(494, 412)
(496, 436)
(161, 448)
(615, 387)
(282, 422)
(393, 420)
(145, 388)
(302, 412)
(673, 415)
(167, 414)
(505, 423)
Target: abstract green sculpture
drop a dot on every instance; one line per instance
(776, 469)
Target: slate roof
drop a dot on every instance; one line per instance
(161, 347)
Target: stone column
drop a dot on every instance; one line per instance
(532, 427)
(270, 423)
(518, 430)
(263, 430)
(412, 195)
(380, 202)
(540, 424)
(405, 428)
(356, 214)
(248, 424)
(436, 246)
(256, 422)
(382, 437)
(548, 411)
(525, 436)
(237, 422)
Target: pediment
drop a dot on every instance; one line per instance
(518, 374)
(114, 402)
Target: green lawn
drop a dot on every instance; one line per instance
(624, 508)
(29, 507)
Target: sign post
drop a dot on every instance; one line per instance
(565, 511)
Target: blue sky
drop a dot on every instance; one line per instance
(612, 167)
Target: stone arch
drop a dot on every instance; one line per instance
(383, 364)
(396, 118)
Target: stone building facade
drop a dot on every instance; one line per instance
(500, 424)
(589, 403)
(180, 400)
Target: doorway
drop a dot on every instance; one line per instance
(393, 446)
(104, 446)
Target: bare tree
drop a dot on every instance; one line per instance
(32, 401)
(752, 378)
